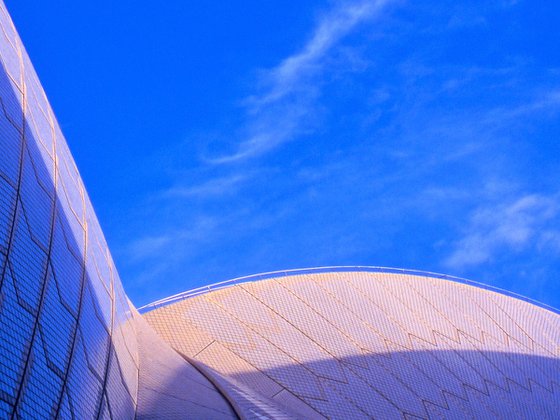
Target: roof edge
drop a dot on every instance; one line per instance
(334, 269)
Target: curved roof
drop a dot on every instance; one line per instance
(369, 343)
(332, 269)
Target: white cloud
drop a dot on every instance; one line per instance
(544, 102)
(550, 239)
(172, 244)
(148, 247)
(509, 226)
(212, 188)
(285, 78)
(283, 108)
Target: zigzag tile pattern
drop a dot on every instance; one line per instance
(65, 320)
(71, 344)
(325, 345)
(373, 345)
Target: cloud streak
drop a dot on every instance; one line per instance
(509, 226)
(213, 188)
(282, 109)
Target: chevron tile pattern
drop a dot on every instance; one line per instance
(373, 345)
(330, 344)
(61, 302)
(69, 338)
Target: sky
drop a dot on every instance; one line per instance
(222, 139)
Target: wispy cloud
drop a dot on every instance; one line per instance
(147, 247)
(421, 154)
(284, 106)
(292, 71)
(505, 227)
(172, 242)
(213, 188)
(544, 102)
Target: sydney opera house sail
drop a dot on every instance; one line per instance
(370, 343)
(71, 344)
(334, 343)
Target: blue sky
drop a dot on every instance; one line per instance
(221, 139)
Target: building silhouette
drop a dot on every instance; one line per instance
(321, 343)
